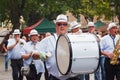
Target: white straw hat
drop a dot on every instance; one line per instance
(91, 24)
(112, 24)
(74, 25)
(16, 31)
(33, 32)
(61, 18)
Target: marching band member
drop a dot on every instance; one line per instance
(14, 47)
(108, 45)
(75, 27)
(48, 46)
(31, 47)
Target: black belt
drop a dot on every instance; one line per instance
(109, 59)
(16, 59)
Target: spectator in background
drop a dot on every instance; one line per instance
(102, 58)
(41, 37)
(5, 43)
(24, 38)
(47, 34)
(99, 34)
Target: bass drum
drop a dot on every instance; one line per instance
(77, 54)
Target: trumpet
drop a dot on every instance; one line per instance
(21, 44)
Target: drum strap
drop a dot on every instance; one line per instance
(55, 36)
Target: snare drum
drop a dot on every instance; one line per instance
(77, 54)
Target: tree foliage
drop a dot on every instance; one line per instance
(33, 10)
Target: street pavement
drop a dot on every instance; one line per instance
(4, 75)
(8, 75)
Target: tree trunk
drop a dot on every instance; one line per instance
(15, 20)
(15, 12)
(119, 18)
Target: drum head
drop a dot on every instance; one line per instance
(63, 54)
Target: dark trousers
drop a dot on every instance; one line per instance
(16, 65)
(112, 70)
(36, 77)
(33, 73)
(87, 77)
(6, 62)
(84, 76)
(102, 61)
(46, 74)
(51, 77)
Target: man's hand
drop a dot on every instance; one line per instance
(42, 56)
(35, 55)
(110, 55)
(48, 54)
(17, 40)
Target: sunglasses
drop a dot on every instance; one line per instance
(62, 24)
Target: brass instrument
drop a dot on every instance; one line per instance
(21, 44)
(114, 60)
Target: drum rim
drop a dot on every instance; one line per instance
(99, 53)
(70, 48)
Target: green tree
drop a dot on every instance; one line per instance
(117, 9)
(89, 8)
(33, 10)
(11, 10)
